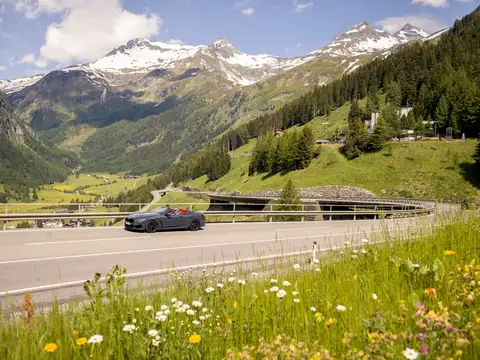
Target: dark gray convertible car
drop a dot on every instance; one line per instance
(165, 218)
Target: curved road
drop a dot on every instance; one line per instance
(37, 260)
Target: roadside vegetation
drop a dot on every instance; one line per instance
(417, 298)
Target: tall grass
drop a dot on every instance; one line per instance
(415, 297)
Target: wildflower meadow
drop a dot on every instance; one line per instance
(414, 297)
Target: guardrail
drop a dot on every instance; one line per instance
(234, 214)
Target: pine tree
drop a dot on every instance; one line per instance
(35, 196)
(379, 137)
(394, 94)
(441, 113)
(305, 147)
(289, 199)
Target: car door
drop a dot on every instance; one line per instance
(171, 221)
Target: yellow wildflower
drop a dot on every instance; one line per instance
(477, 320)
(449, 252)
(319, 317)
(459, 353)
(330, 322)
(235, 305)
(194, 339)
(229, 320)
(355, 277)
(52, 347)
(75, 333)
(431, 292)
(81, 341)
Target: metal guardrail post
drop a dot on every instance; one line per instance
(303, 209)
(331, 209)
(4, 225)
(355, 212)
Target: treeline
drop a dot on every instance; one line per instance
(290, 151)
(213, 162)
(441, 81)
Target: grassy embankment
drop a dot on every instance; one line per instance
(380, 301)
(429, 169)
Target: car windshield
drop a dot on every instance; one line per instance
(160, 210)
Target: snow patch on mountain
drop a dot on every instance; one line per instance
(11, 86)
(410, 33)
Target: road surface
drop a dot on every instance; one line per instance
(36, 260)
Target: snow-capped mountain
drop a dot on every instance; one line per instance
(131, 62)
(410, 33)
(359, 40)
(141, 56)
(11, 86)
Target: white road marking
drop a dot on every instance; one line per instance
(181, 248)
(303, 228)
(86, 241)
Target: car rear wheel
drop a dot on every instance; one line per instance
(151, 227)
(194, 225)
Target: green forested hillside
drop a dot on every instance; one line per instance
(440, 80)
(25, 162)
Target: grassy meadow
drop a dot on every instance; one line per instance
(425, 169)
(415, 298)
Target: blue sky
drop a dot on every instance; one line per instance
(41, 35)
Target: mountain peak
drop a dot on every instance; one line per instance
(222, 42)
(410, 33)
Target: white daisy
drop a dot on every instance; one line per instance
(129, 328)
(410, 354)
(296, 300)
(152, 333)
(274, 288)
(196, 304)
(341, 308)
(281, 293)
(286, 283)
(209, 290)
(95, 339)
(149, 308)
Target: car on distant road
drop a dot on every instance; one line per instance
(164, 218)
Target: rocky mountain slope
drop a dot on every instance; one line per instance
(25, 161)
(156, 98)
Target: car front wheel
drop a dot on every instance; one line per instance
(151, 227)
(194, 225)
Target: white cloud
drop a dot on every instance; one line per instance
(426, 22)
(3, 67)
(89, 28)
(433, 3)
(248, 11)
(42, 64)
(299, 7)
(28, 58)
(175, 42)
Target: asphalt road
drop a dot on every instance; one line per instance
(37, 259)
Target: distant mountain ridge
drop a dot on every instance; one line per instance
(140, 56)
(147, 97)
